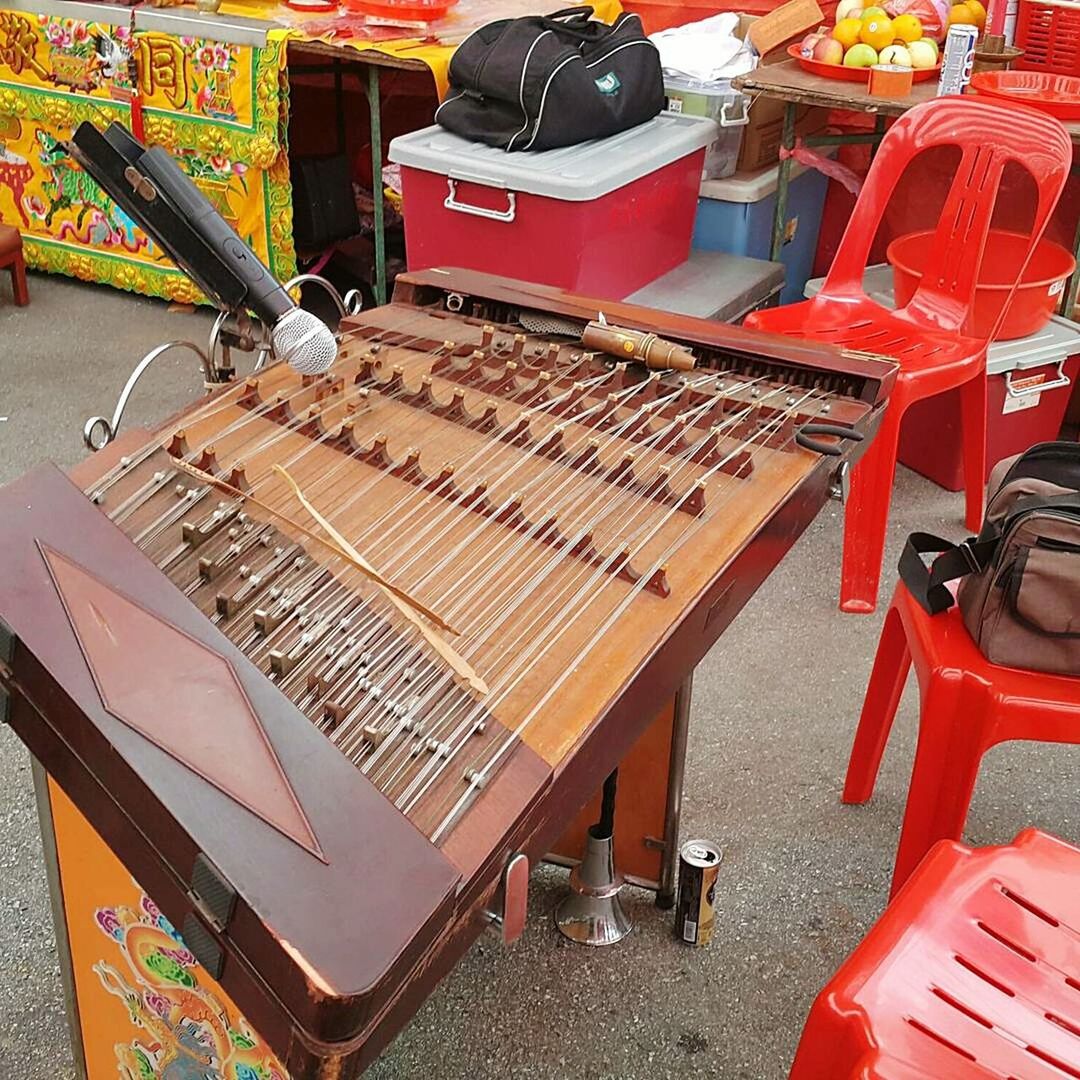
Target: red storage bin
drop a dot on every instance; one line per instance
(930, 436)
(603, 218)
(1049, 33)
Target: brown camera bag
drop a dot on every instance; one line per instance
(1019, 590)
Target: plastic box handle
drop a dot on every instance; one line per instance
(451, 203)
(1037, 388)
(741, 119)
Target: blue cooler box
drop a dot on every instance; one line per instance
(736, 215)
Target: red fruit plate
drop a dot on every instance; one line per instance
(404, 12)
(852, 74)
(1058, 95)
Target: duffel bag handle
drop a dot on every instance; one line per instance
(929, 584)
(584, 11)
(573, 19)
(578, 24)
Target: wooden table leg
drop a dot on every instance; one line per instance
(18, 281)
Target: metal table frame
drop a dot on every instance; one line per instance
(339, 61)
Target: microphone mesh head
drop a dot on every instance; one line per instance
(304, 342)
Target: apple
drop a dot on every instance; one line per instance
(829, 51)
(848, 9)
(923, 54)
(808, 43)
(895, 54)
(860, 56)
(869, 12)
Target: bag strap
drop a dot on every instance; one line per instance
(928, 584)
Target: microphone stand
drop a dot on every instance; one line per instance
(231, 330)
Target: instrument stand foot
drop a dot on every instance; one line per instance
(593, 913)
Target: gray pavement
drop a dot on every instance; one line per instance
(775, 703)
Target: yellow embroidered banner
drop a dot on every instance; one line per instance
(218, 107)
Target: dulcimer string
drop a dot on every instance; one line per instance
(416, 558)
(480, 774)
(468, 601)
(520, 659)
(585, 569)
(430, 570)
(561, 620)
(378, 477)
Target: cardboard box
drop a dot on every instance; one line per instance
(762, 135)
(770, 35)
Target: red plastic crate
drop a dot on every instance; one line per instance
(930, 438)
(1049, 33)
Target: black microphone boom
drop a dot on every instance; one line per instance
(156, 193)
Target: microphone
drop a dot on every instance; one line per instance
(300, 338)
(304, 342)
(158, 194)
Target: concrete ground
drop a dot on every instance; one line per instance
(775, 703)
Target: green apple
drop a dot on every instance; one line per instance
(860, 56)
(895, 54)
(923, 54)
(871, 11)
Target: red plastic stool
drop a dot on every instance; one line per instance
(11, 257)
(967, 705)
(972, 972)
(930, 337)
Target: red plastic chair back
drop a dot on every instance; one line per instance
(989, 137)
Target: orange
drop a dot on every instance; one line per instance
(980, 13)
(877, 32)
(907, 28)
(846, 31)
(961, 14)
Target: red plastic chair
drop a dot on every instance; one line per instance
(972, 972)
(967, 705)
(927, 336)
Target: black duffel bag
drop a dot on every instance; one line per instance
(552, 80)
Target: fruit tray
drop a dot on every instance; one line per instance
(1058, 95)
(852, 74)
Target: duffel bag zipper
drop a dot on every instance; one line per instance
(1050, 544)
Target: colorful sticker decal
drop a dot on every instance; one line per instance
(183, 1031)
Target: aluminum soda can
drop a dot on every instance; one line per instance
(699, 865)
(957, 59)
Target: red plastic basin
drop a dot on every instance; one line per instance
(1036, 298)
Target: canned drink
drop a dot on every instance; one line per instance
(957, 59)
(699, 865)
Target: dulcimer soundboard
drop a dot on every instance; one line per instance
(321, 657)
